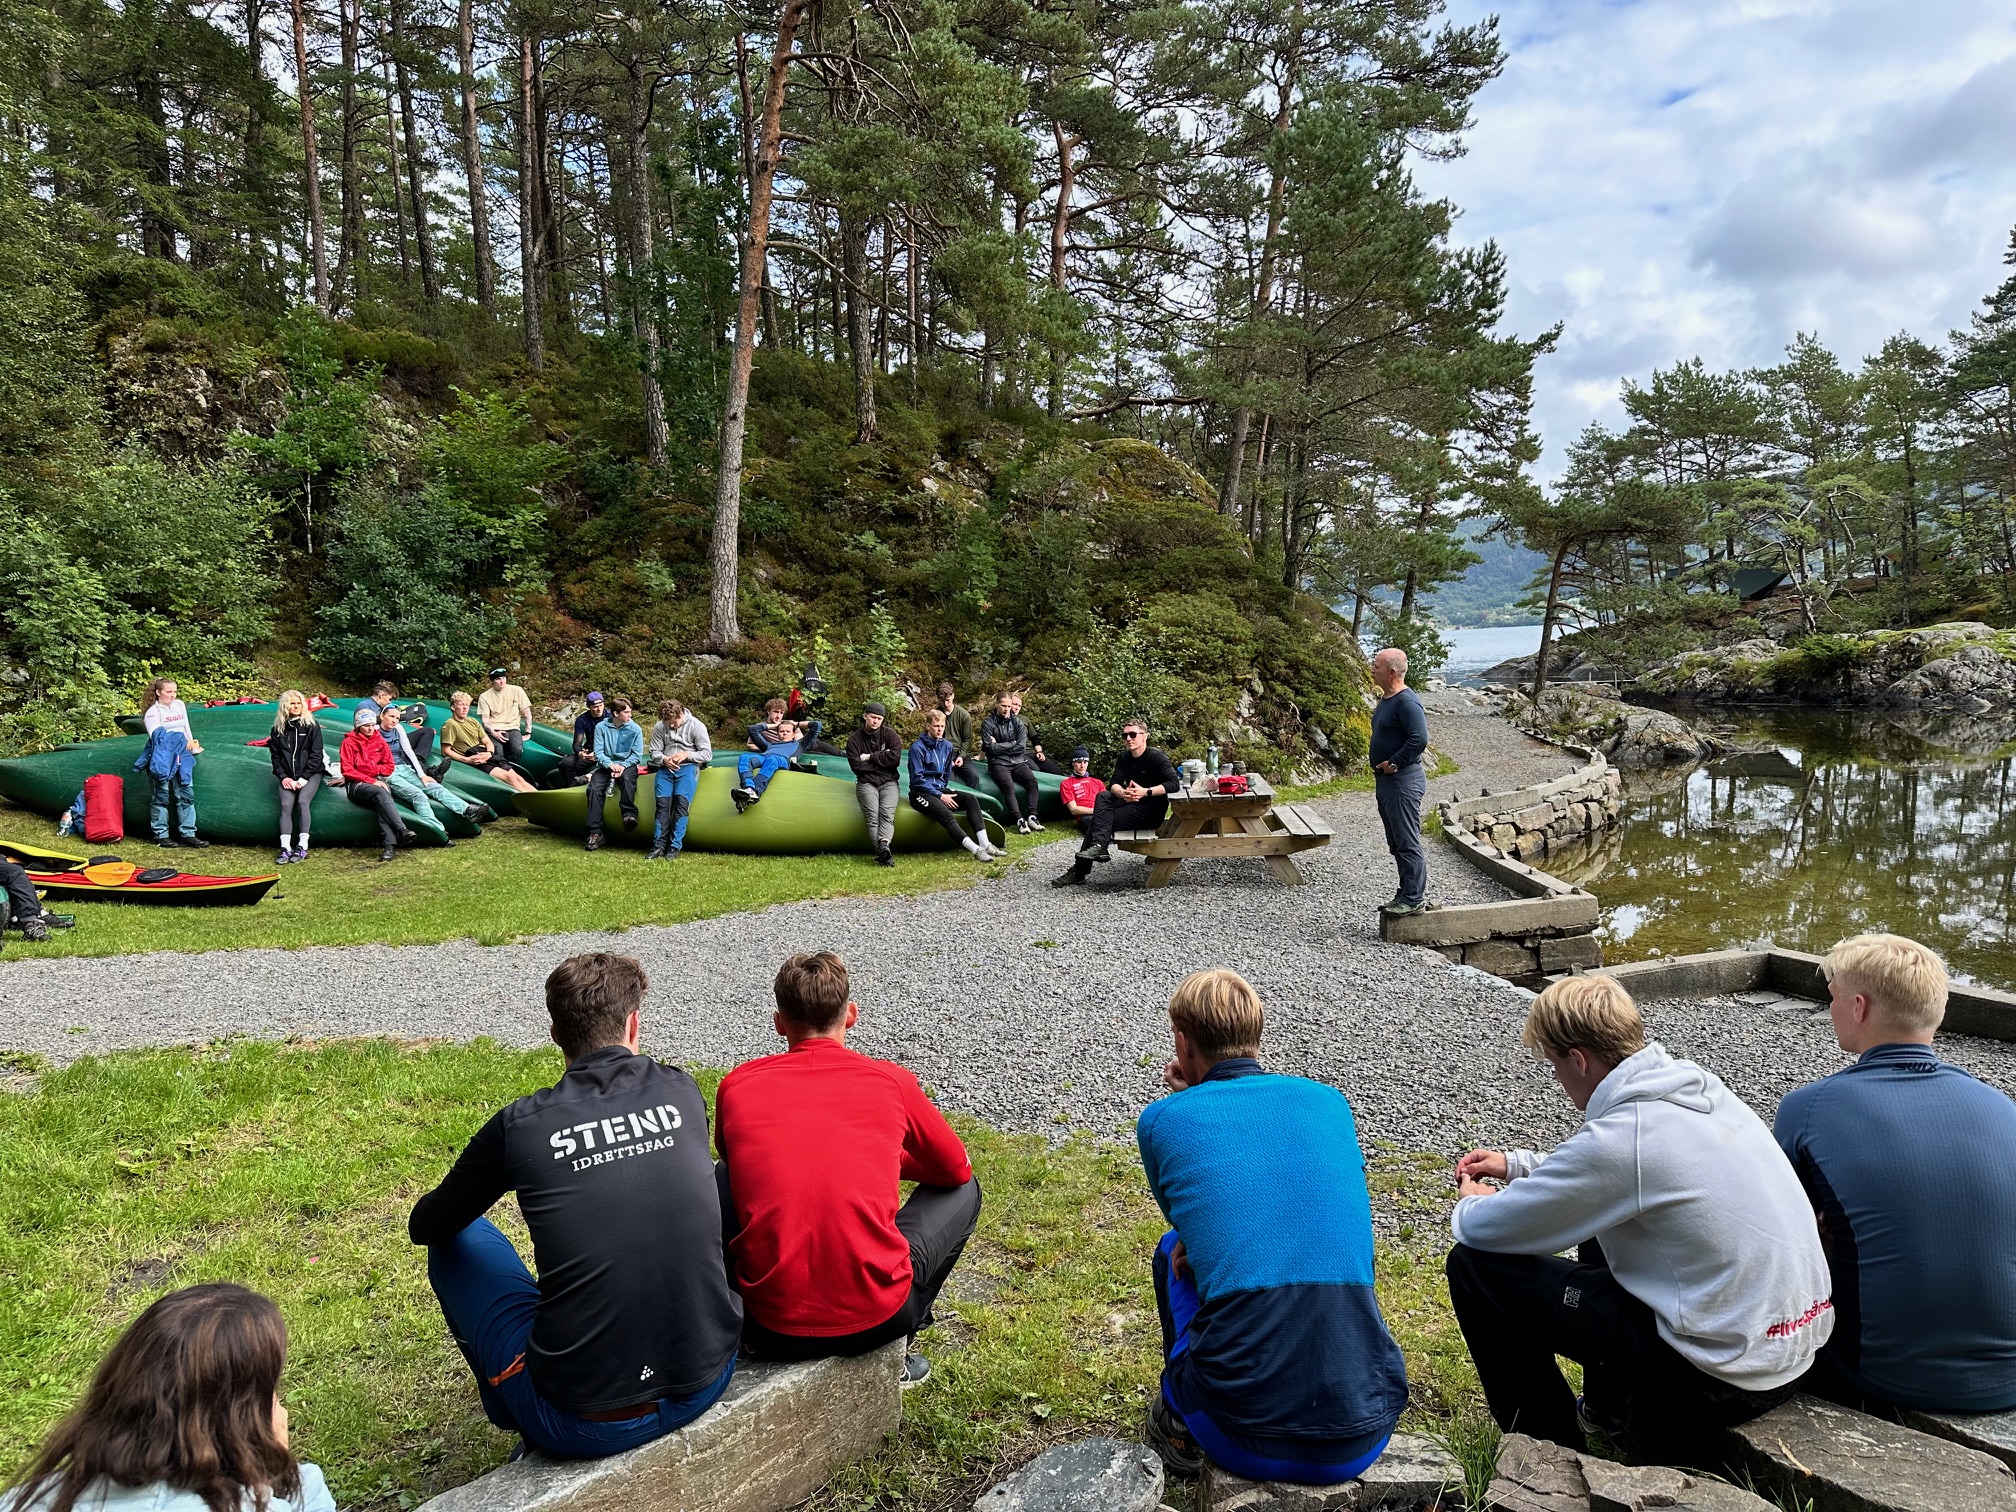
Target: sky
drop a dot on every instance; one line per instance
(1673, 178)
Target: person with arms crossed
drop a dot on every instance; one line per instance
(630, 1329)
(578, 765)
(876, 756)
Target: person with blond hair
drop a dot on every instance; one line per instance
(1899, 1156)
(294, 746)
(1277, 1365)
(1700, 1293)
(468, 742)
(815, 1143)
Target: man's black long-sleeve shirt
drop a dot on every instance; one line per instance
(613, 1175)
(1152, 768)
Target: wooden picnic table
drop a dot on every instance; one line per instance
(1203, 824)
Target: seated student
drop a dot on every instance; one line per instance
(22, 904)
(1898, 1155)
(630, 1329)
(578, 765)
(754, 769)
(813, 1144)
(766, 731)
(505, 714)
(1004, 740)
(1080, 791)
(680, 751)
(366, 763)
(1277, 1363)
(467, 742)
(182, 1415)
(876, 757)
(1700, 1295)
(958, 730)
(412, 784)
(619, 760)
(932, 793)
(1143, 779)
(418, 736)
(1043, 761)
(295, 750)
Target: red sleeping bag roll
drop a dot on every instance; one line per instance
(104, 808)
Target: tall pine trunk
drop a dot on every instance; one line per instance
(472, 157)
(530, 233)
(423, 235)
(860, 339)
(311, 174)
(643, 316)
(1547, 618)
(350, 241)
(1060, 242)
(723, 618)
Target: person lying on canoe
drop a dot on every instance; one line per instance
(768, 730)
(409, 780)
(756, 768)
(366, 762)
(466, 741)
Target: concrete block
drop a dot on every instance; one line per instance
(1713, 973)
(773, 1439)
(1569, 952)
(1468, 923)
(1091, 1475)
(1990, 1432)
(1846, 1461)
(1506, 958)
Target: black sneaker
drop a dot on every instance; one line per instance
(1170, 1438)
(1072, 878)
(482, 813)
(883, 858)
(916, 1371)
(407, 837)
(656, 853)
(190, 842)
(389, 854)
(35, 930)
(629, 823)
(1097, 853)
(171, 843)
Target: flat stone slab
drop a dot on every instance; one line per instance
(773, 1439)
(1467, 923)
(1537, 1476)
(1090, 1475)
(1847, 1461)
(1990, 1432)
(1414, 1470)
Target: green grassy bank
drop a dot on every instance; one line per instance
(291, 1168)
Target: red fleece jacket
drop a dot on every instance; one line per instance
(816, 1141)
(364, 757)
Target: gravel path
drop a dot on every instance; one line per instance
(1031, 1007)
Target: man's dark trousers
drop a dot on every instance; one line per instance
(1400, 796)
(1518, 1312)
(937, 1222)
(22, 903)
(1110, 813)
(598, 794)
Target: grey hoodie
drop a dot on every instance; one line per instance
(1699, 1214)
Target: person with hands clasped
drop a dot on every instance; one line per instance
(1138, 798)
(619, 759)
(680, 751)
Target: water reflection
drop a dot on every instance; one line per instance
(1828, 824)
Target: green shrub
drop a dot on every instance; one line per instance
(55, 618)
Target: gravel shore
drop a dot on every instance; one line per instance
(1031, 1007)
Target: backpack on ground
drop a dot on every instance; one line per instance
(104, 808)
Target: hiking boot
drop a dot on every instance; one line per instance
(1402, 910)
(1072, 878)
(594, 841)
(1097, 853)
(482, 813)
(169, 843)
(390, 853)
(192, 843)
(883, 858)
(34, 930)
(657, 851)
(916, 1371)
(406, 837)
(1170, 1438)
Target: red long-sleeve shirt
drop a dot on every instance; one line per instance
(364, 757)
(816, 1142)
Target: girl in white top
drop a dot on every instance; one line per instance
(165, 710)
(183, 1415)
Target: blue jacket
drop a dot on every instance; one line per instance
(614, 742)
(1262, 1178)
(167, 754)
(930, 765)
(1905, 1159)
(1399, 730)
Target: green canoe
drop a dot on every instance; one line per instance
(1049, 801)
(236, 795)
(800, 815)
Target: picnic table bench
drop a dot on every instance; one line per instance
(1203, 826)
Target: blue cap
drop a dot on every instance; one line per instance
(595, 698)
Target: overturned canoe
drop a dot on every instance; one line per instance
(800, 815)
(1049, 800)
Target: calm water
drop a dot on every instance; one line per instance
(1477, 650)
(1835, 823)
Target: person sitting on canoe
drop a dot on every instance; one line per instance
(24, 908)
(467, 741)
(767, 731)
(171, 775)
(420, 738)
(505, 714)
(410, 782)
(754, 769)
(619, 759)
(295, 749)
(932, 793)
(578, 765)
(366, 762)
(680, 748)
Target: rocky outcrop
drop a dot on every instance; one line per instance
(1628, 735)
(1091, 1475)
(1536, 1476)
(1414, 1472)
(1964, 667)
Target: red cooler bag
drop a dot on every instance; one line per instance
(104, 808)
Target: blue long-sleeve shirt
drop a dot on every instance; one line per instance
(1399, 730)
(1262, 1179)
(1905, 1158)
(930, 765)
(619, 743)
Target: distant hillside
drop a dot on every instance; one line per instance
(1489, 593)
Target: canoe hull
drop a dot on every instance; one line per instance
(188, 890)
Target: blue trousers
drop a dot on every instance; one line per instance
(490, 1299)
(756, 768)
(160, 790)
(1400, 797)
(673, 792)
(420, 796)
(1177, 1295)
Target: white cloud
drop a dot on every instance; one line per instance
(1673, 178)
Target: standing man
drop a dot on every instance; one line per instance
(506, 713)
(680, 749)
(619, 757)
(1143, 779)
(1399, 740)
(876, 756)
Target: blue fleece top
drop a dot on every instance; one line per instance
(930, 765)
(1905, 1158)
(1262, 1178)
(614, 742)
(167, 754)
(1399, 730)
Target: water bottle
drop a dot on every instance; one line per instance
(1211, 759)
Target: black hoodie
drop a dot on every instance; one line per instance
(875, 755)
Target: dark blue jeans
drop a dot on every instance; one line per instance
(1177, 1295)
(1400, 797)
(160, 792)
(490, 1299)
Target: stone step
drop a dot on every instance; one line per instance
(773, 1439)
(1846, 1461)
(1089, 1475)
(1990, 1432)
(1537, 1476)
(1414, 1471)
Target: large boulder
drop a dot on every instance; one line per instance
(1964, 665)
(1628, 735)
(1536, 1476)
(1839, 1460)
(1090, 1475)
(1973, 680)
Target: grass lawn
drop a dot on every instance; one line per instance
(291, 1168)
(516, 881)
